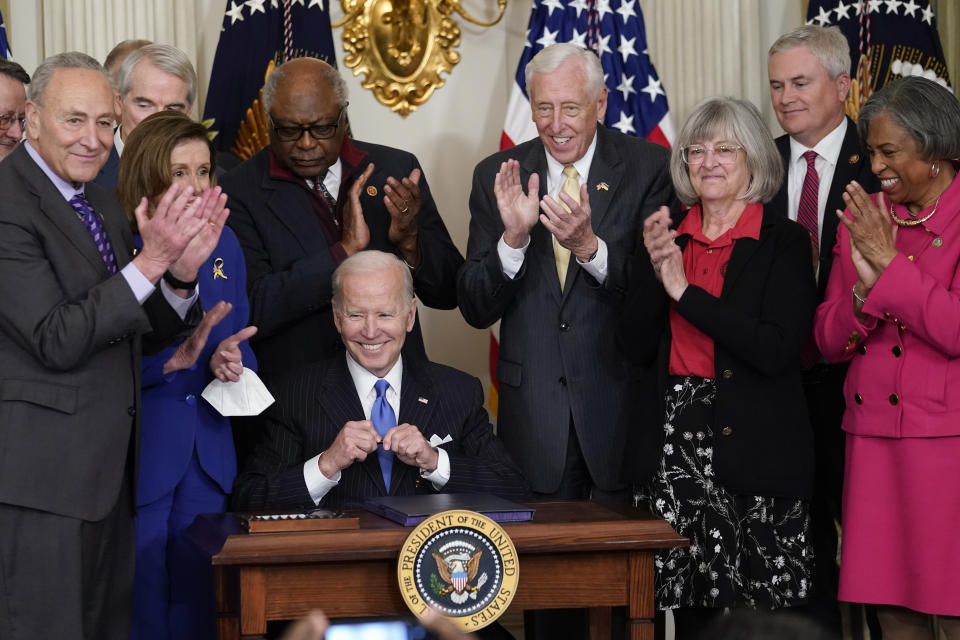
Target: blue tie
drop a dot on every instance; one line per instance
(383, 420)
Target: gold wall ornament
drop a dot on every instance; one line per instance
(402, 46)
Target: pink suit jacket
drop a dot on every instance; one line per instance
(904, 377)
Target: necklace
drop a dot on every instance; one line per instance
(912, 222)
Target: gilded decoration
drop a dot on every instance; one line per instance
(402, 46)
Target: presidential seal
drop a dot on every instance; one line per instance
(462, 564)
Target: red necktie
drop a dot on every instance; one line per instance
(807, 211)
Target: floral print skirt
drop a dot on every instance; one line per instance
(744, 550)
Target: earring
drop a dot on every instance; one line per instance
(934, 169)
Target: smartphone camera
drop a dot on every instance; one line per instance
(376, 630)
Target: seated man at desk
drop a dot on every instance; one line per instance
(369, 422)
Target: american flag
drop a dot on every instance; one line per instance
(613, 29)
(4, 45)
(636, 101)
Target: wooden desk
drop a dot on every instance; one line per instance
(573, 554)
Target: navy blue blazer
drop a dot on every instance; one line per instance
(107, 178)
(314, 403)
(175, 418)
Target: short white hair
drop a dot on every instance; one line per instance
(549, 59)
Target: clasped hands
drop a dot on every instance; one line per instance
(402, 201)
(665, 256)
(872, 235)
(358, 439)
(520, 212)
(181, 233)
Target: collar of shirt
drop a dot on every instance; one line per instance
(746, 226)
(117, 141)
(555, 175)
(363, 380)
(828, 149)
(66, 189)
(332, 180)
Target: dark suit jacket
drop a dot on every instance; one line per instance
(107, 178)
(557, 355)
(758, 323)
(852, 164)
(289, 260)
(69, 348)
(314, 403)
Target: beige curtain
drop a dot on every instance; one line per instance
(703, 48)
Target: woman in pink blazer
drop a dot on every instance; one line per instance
(892, 310)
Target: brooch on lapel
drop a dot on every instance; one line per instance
(371, 190)
(604, 186)
(218, 269)
(854, 159)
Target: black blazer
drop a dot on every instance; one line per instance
(314, 403)
(557, 358)
(852, 164)
(758, 324)
(289, 262)
(70, 343)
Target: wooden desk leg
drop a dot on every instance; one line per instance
(599, 621)
(641, 606)
(253, 603)
(228, 624)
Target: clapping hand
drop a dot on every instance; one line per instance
(519, 211)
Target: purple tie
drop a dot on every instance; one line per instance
(94, 225)
(326, 197)
(807, 211)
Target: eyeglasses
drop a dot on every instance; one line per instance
(316, 131)
(723, 153)
(7, 120)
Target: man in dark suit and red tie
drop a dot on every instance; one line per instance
(76, 303)
(809, 71)
(372, 422)
(314, 197)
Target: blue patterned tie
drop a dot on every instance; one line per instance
(328, 200)
(94, 225)
(383, 420)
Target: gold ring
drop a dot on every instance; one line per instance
(211, 223)
(405, 210)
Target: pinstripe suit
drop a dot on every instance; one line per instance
(557, 361)
(315, 402)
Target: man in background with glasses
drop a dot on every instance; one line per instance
(13, 99)
(312, 198)
(809, 71)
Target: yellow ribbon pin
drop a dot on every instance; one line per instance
(218, 269)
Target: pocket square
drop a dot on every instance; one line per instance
(436, 441)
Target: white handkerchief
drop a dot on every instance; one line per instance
(246, 397)
(436, 441)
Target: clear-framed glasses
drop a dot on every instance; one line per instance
(317, 131)
(7, 120)
(724, 153)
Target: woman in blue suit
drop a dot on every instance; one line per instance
(187, 459)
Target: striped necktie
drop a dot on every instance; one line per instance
(94, 226)
(807, 211)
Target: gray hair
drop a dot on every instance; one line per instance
(827, 44)
(928, 112)
(740, 121)
(13, 70)
(164, 57)
(119, 53)
(68, 60)
(549, 59)
(327, 72)
(367, 262)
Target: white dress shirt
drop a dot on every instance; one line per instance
(318, 485)
(828, 153)
(332, 180)
(512, 259)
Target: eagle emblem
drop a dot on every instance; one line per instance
(458, 570)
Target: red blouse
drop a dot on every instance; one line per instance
(705, 265)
